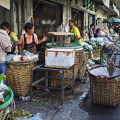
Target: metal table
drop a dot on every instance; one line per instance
(110, 54)
(46, 77)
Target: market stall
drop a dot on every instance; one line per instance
(62, 61)
(18, 72)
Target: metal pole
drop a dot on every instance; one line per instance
(62, 87)
(31, 84)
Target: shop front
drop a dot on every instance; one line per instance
(47, 17)
(78, 16)
(91, 19)
(101, 16)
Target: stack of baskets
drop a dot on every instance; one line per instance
(68, 74)
(83, 66)
(104, 91)
(96, 53)
(19, 77)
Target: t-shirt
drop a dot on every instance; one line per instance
(111, 31)
(75, 31)
(29, 39)
(5, 45)
(91, 33)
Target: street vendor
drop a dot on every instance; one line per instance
(91, 31)
(112, 31)
(76, 38)
(5, 46)
(29, 40)
(14, 39)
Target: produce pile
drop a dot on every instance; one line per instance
(21, 114)
(90, 45)
(25, 56)
(18, 113)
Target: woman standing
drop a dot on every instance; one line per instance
(29, 40)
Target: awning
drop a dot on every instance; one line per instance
(112, 20)
(5, 4)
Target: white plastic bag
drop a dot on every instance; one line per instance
(4, 88)
(2, 100)
(38, 116)
(16, 58)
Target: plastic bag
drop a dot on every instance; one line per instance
(1, 97)
(9, 57)
(38, 116)
(4, 88)
(26, 53)
(16, 58)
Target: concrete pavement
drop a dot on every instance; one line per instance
(50, 107)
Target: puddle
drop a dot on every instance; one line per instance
(100, 112)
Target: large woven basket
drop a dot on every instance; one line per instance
(2, 113)
(96, 53)
(82, 68)
(68, 74)
(105, 91)
(19, 78)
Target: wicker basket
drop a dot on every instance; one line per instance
(19, 78)
(68, 74)
(2, 113)
(104, 91)
(96, 53)
(82, 68)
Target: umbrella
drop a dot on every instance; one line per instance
(112, 20)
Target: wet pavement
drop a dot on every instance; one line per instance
(50, 107)
(100, 112)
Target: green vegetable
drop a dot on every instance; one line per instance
(97, 61)
(2, 77)
(34, 100)
(85, 48)
(18, 113)
(104, 57)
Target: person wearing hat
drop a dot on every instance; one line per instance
(76, 38)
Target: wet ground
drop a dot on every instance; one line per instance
(100, 112)
(50, 107)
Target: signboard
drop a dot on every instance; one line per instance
(106, 3)
(5, 4)
(116, 10)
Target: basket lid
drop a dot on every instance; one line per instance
(102, 71)
(72, 45)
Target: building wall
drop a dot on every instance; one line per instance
(90, 6)
(4, 15)
(101, 15)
